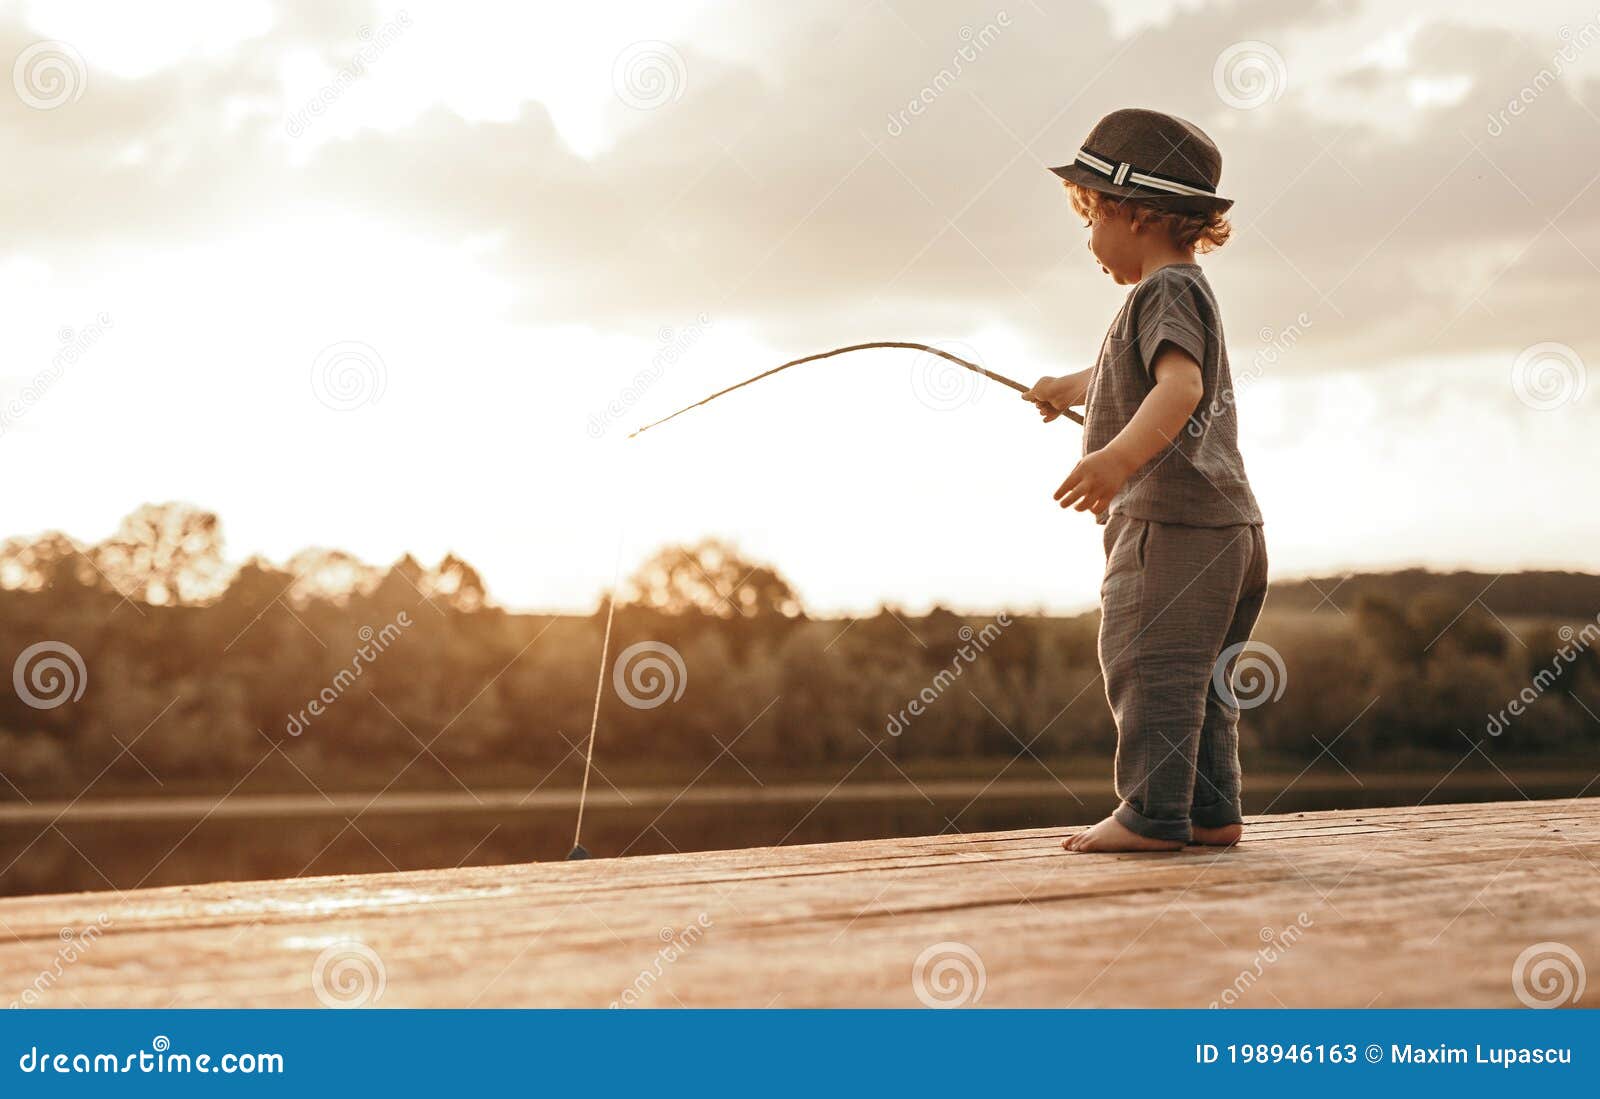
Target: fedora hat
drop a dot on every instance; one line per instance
(1150, 156)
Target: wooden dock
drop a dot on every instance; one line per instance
(1427, 906)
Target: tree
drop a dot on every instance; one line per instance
(164, 553)
(712, 578)
(1466, 626)
(51, 562)
(456, 584)
(1393, 634)
(329, 576)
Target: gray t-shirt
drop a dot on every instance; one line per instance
(1199, 480)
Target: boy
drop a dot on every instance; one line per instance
(1186, 566)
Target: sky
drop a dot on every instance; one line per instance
(401, 277)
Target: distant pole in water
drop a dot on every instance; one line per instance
(974, 367)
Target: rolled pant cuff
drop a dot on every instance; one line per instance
(1220, 815)
(1151, 828)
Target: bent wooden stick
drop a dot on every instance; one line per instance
(991, 375)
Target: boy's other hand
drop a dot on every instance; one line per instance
(1053, 396)
(1094, 481)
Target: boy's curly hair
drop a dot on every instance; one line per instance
(1204, 232)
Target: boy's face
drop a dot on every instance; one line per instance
(1117, 244)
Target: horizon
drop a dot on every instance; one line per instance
(627, 570)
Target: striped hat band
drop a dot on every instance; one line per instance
(1122, 173)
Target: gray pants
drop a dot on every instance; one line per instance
(1174, 599)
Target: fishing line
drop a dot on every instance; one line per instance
(578, 851)
(974, 367)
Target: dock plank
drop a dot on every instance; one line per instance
(1423, 906)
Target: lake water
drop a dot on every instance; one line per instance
(148, 843)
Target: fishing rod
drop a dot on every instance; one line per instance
(974, 367)
(579, 852)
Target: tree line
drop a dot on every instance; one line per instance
(147, 664)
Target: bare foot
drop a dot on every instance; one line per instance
(1226, 836)
(1110, 835)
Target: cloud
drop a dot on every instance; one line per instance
(792, 185)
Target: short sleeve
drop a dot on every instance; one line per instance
(1168, 311)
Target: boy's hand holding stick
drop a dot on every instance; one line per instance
(1054, 396)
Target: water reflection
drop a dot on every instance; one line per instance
(98, 854)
